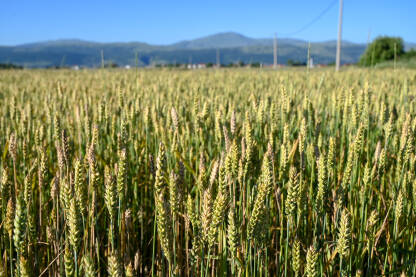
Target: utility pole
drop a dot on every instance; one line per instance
(308, 62)
(368, 37)
(275, 52)
(338, 57)
(102, 58)
(218, 58)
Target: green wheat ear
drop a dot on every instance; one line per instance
(5, 190)
(69, 261)
(174, 194)
(110, 194)
(160, 169)
(191, 215)
(292, 192)
(399, 207)
(311, 262)
(296, 258)
(233, 123)
(74, 224)
(9, 221)
(80, 186)
(206, 215)
(113, 266)
(13, 147)
(258, 213)
(20, 225)
(175, 118)
(232, 232)
(88, 266)
(24, 269)
(344, 234)
(371, 227)
(164, 225)
(121, 173)
(129, 271)
(322, 183)
(217, 217)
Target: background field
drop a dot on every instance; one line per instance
(207, 172)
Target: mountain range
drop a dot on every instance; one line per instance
(231, 47)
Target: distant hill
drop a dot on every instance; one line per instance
(220, 40)
(409, 45)
(233, 47)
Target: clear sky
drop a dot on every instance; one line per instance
(164, 22)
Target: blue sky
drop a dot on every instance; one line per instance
(164, 22)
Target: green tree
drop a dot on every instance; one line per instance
(382, 49)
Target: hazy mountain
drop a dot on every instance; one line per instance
(409, 45)
(220, 40)
(233, 47)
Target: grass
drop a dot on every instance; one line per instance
(405, 63)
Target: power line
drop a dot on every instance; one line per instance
(312, 21)
(275, 52)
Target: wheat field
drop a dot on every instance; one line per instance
(207, 173)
